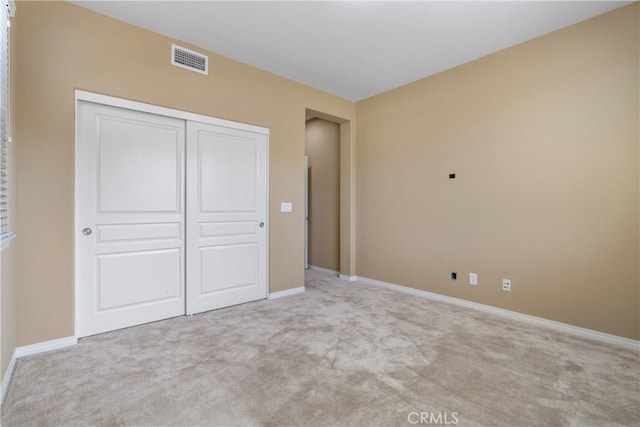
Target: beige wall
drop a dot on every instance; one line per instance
(8, 256)
(64, 47)
(7, 307)
(543, 138)
(323, 151)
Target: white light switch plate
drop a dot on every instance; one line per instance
(286, 207)
(473, 279)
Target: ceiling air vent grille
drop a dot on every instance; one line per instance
(189, 59)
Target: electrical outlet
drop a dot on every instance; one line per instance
(506, 285)
(453, 275)
(473, 279)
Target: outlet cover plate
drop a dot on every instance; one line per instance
(286, 207)
(506, 285)
(473, 279)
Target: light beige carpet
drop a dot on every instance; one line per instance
(341, 354)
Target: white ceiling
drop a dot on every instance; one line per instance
(352, 49)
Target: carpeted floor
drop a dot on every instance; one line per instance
(341, 354)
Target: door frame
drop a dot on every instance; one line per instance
(96, 98)
(347, 268)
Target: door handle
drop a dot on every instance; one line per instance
(87, 231)
(262, 225)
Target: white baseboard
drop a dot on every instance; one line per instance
(7, 377)
(286, 293)
(533, 320)
(29, 350)
(335, 273)
(324, 270)
(41, 347)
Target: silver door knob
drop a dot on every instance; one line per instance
(86, 231)
(262, 225)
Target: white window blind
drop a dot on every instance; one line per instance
(5, 13)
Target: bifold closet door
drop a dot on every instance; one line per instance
(226, 216)
(130, 260)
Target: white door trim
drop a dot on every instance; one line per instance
(97, 98)
(81, 95)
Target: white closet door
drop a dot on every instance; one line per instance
(130, 213)
(226, 216)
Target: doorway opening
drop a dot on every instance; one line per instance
(322, 149)
(329, 195)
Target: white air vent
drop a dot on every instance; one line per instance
(189, 59)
